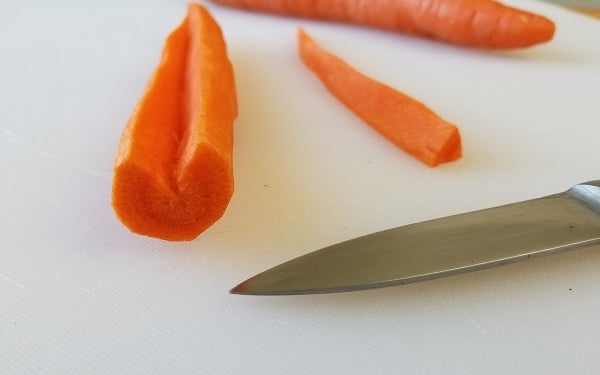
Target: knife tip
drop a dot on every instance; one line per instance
(251, 288)
(241, 288)
(236, 290)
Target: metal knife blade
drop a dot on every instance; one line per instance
(580, 4)
(441, 247)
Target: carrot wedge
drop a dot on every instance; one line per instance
(173, 174)
(407, 123)
(470, 23)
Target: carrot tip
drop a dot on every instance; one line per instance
(404, 121)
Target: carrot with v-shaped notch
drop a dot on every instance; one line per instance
(406, 122)
(472, 23)
(173, 174)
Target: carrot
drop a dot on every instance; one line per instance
(173, 175)
(406, 122)
(473, 23)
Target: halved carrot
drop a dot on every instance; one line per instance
(173, 175)
(474, 23)
(406, 122)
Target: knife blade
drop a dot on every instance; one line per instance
(578, 4)
(441, 247)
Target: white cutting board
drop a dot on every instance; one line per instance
(81, 294)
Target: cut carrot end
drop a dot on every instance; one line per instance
(173, 175)
(404, 121)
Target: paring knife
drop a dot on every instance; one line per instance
(441, 247)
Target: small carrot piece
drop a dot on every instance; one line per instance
(407, 123)
(173, 174)
(473, 23)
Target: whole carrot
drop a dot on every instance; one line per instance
(406, 122)
(473, 23)
(173, 175)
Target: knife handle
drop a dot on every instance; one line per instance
(588, 193)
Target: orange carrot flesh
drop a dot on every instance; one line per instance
(173, 174)
(473, 23)
(407, 123)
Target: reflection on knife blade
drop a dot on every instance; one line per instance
(441, 247)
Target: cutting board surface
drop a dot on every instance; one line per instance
(81, 294)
